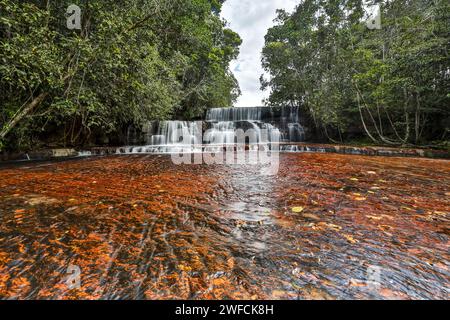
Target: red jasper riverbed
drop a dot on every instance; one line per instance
(141, 227)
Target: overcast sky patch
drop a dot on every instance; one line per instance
(251, 19)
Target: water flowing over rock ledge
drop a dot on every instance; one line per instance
(285, 127)
(284, 147)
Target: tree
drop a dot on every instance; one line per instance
(132, 62)
(392, 83)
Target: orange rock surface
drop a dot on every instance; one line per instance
(140, 227)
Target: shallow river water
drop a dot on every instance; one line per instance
(140, 227)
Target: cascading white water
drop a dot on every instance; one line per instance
(221, 133)
(168, 137)
(176, 133)
(266, 125)
(269, 124)
(234, 114)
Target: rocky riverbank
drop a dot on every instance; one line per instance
(50, 154)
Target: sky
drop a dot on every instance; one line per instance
(251, 19)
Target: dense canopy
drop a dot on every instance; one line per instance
(132, 61)
(391, 84)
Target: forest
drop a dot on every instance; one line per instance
(132, 61)
(383, 86)
(143, 60)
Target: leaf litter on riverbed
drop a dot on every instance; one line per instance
(133, 241)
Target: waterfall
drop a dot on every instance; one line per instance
(221, 133)
(262, 124)
(235, 114)
(282, 124)
(173, 133)
(166, 137)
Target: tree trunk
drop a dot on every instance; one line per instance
(417, 118)
(362, 119)
(21, 114)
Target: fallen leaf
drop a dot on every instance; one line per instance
(350, 238)
(297, 209)
(184, 268)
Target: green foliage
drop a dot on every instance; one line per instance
(133, 61)
(392, 84)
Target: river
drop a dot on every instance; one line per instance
(326, 226)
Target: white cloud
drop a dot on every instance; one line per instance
(251, 19)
